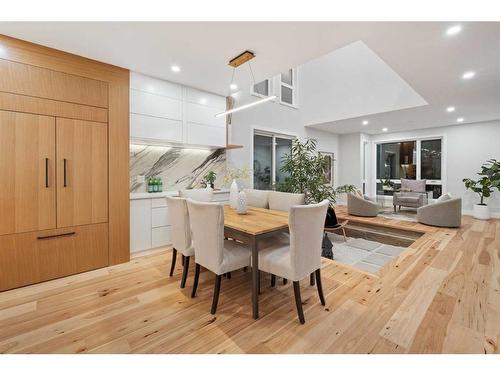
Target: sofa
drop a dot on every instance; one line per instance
(447, 213)
(412, 194)
(358, 205)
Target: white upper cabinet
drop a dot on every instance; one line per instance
(163, 111)
(155, 86)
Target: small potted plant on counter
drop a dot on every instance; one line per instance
(484, 186)
(209, 179)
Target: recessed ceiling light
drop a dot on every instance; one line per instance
(454, 30)
(175, 68)
(365, 122)
(203, 100)
(450, 109)
(233, 86)
(460, 119)
(468, 75)
(384, 129)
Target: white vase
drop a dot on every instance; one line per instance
(481, 212)
(241, 208)
(233, 194)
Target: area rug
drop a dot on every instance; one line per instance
(403, 215)
(369, 256)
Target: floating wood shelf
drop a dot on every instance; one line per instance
(232, 147)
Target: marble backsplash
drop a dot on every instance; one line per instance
(179, 168)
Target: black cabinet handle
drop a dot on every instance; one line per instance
(46, 172)
(55, 235)
(65, 162)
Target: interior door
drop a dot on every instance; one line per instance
(27, 172)
(82, 172)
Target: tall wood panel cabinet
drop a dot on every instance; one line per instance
(64, 128)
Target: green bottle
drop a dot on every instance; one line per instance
(150, 185)
(155, 185)
(160, 185)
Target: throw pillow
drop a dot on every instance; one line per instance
(444, 197)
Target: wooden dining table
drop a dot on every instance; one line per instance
(249, 228)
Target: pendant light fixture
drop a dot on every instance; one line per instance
(241, 59)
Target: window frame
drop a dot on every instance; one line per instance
(273, 134)
(442, 182)
(292, 87)
(270, 88)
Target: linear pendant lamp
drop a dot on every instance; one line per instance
(241, 59)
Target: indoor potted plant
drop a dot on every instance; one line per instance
(484, 186)
(306, 174)
(209, 179)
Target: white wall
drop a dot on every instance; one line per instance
(273, 117)
(465, 148)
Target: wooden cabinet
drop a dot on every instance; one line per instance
(27, 172)
(28, 258)
(82, 172)
(64, 153)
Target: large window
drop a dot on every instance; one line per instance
(268, 152)
(262, 88)
(412, 159)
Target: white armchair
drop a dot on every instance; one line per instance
(200, 195)
(211, 250)
(302, 256)
(181, 234)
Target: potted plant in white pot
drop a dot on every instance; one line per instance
(484, 186)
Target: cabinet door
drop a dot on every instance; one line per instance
(28, 258)
(82, 172)
(27, 172)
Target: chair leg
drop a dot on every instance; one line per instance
(228, 275)
(343, 232)
(399, 207)
(185, 272)
(285, 281)
(273, 280)
(298, 302)
(174, 257)
(245, 269)
(320, 286)
(394, 208)
(215, 301)
(311, 279)
(196, 278)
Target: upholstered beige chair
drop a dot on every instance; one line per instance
(412, 194)
(284, 201)
(200, 195)
(359, 206)
(447, 213)
(302, 256)
(257, 198)
(181, 234)
(211, 250)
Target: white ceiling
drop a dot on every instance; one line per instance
(420, 54)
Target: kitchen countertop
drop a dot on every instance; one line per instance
(163, 194)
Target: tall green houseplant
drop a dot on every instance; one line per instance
(306, 168)
(489, 179)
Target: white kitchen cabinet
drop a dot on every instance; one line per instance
(161, 236)
(165, 112)
(155, 128)
(140, 224)
(145, 103)
(156, 86)
(203, 134)
(149, 223)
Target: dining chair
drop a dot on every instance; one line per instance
(284, 201)
(257, 198)
(178, 216)
(211, 250)
(200, 195)
(302, 256)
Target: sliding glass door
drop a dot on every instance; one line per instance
(268, 152)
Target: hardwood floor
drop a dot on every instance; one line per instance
(442, 295)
